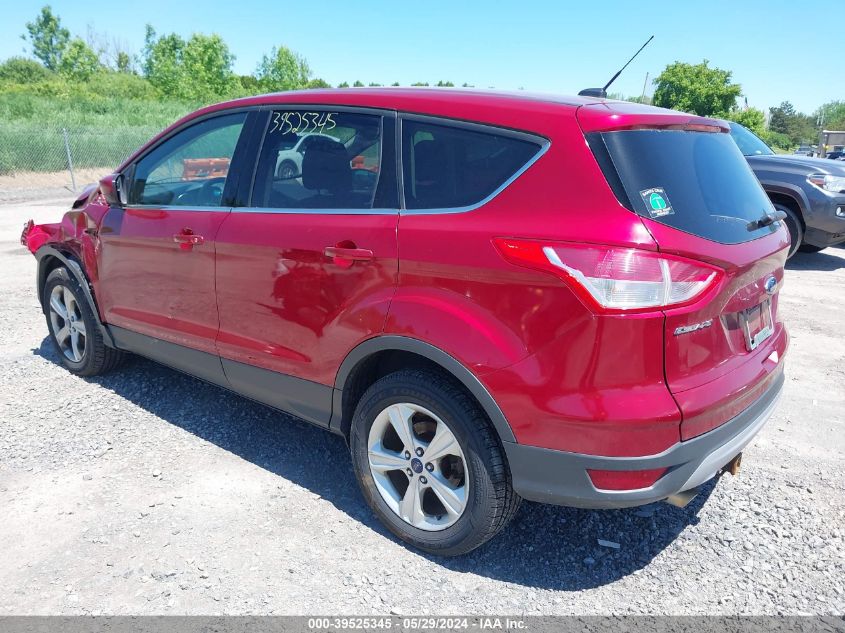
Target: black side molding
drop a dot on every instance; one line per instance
(303, 399)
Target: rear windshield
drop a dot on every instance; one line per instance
(696, 182)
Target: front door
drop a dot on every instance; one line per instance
(157, 254)
(307, 270)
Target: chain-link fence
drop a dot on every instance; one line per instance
(33, 157)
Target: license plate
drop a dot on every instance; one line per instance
(757, 324)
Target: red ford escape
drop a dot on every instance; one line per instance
(491, 296)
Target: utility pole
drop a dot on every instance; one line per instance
(645, 83)
(69, 159)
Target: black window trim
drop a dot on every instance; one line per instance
(542, 142)
(247, 151)
(128, 172)
(259, 134)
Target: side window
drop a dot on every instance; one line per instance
(318, 160)
(190, 168)
(447, 166)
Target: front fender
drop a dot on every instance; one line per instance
(788, 189)
(49, 258)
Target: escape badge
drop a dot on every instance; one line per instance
(656, 202)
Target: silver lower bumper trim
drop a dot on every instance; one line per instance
(711, 465)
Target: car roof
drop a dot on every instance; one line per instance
(402, 98)
(471, 104)
(531, 112)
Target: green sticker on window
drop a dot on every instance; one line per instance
(656, 202)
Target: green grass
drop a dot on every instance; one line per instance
(101, 131)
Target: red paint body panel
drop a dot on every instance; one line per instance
(285, 306)
(261, 290)
(710, 371)
(597, 389)
(565, 378)
(457, 293)
(36, 236)
(150, 284)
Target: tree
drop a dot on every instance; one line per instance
(249, 83)
(162, 61)
(345, 84)
(79, 62)
(318, 83)
(199, 69)
(123, 62)
(113, 52)
(696, 88)
(831, 115)
(752, 118)
(19, 70)
(358, 84)
(48, 38)
(207, 66)
(781, 116)
(282, 69)
(445, 84)
(785, 119)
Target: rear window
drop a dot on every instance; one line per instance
(451, 167)
(696, 182)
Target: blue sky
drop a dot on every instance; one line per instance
(771, 46)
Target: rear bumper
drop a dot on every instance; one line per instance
(560, 478)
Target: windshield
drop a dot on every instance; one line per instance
(748, 142)
(696, 182)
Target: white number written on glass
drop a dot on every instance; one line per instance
(297, 122)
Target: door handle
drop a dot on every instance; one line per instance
(187, 239)
(344, 256)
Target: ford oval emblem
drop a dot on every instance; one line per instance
(770, 285)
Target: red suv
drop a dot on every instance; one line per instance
(491, 296)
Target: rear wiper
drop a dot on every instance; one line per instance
(766, 220)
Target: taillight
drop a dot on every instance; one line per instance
(615, 280)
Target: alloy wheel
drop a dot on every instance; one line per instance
(418, 466)
(67, 323)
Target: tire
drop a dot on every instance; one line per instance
(287, 170)
(794, 226)
(809, 248)
(81, 350)
(474, 468)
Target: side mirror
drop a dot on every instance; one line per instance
(113, 189)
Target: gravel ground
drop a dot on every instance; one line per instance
(149, 492)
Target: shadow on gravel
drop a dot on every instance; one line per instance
(816, 261)
(546, 547)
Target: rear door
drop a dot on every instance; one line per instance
(699, 199)
(157, 253)
(307, 268)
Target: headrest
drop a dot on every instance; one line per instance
(325, 165)
(430, 162)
